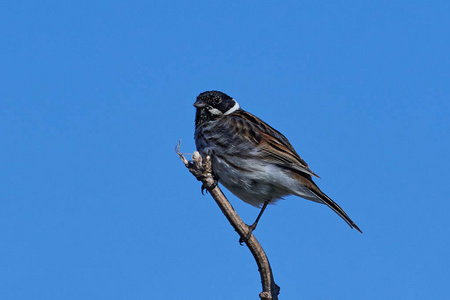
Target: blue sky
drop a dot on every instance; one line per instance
(94, 96)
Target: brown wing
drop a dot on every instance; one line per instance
(273, 146)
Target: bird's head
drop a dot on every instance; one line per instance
(212, 105)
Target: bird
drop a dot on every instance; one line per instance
(251, 159)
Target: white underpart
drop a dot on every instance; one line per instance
(233, 109)
(262, 182)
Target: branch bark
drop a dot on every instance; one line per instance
(203, 172)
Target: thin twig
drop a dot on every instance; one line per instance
(203, 172)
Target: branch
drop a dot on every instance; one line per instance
(203, 172)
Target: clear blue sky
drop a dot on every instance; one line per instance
(94, 96)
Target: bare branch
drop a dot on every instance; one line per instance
(203, 172)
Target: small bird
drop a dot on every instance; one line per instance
(251, 159)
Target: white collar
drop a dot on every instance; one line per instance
(233, 109)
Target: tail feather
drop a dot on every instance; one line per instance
(335, 207)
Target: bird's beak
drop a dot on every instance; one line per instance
(199, 104)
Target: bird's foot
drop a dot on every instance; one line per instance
(243, 240)
(209, 187)
(202, 170)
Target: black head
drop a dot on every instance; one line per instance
(212, 105)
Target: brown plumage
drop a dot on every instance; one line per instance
(250, 158)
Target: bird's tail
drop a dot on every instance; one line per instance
(334, 206)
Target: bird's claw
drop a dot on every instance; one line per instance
(209, 187)
(243, 240)
(203, 189)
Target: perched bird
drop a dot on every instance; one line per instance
(251, 159)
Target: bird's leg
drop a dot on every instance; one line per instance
(252, 227)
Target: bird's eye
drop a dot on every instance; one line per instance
(209, 107)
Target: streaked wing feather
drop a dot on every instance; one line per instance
(274, 146)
